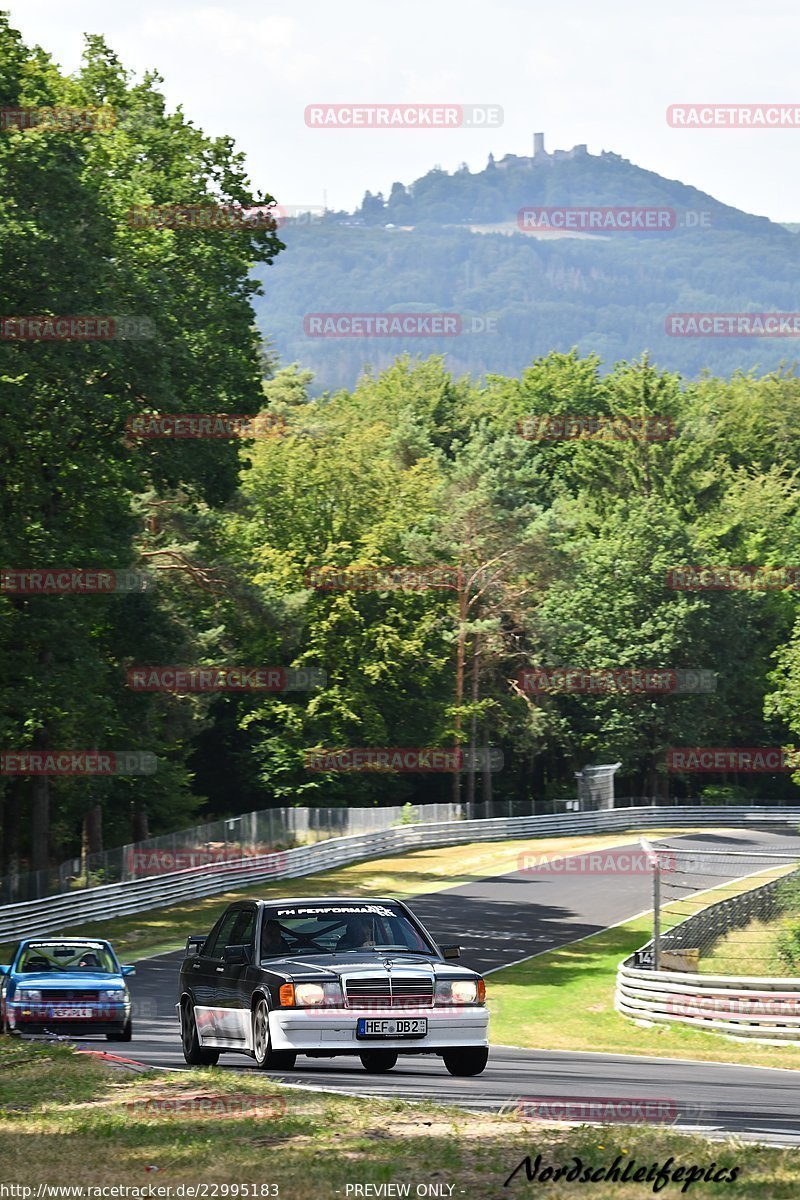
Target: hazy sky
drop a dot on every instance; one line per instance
(580, 71)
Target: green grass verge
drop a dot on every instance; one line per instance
(768, 947)
(753, 949)
(68, 1119)
(564, 1000)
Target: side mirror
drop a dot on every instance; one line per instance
(195, 943)
(450, 951)
(128, 969)
(236, 955)
(5, 968)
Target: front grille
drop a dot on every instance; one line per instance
(389, 991)
(69, 994)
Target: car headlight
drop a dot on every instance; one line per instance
(29, 995)
(460, 991)
(114, 995)
(311, 995)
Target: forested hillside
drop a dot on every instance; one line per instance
(608, 295)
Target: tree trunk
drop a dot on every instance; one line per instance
(139, 827)
(473, 733)
(486, 779)
(11, 809)
(92, 839)
(40, 823)
(40, 811)
(460, 655)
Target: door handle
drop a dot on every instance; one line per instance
(195, 966)
(220, 969)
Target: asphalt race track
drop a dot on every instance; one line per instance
(499, 921)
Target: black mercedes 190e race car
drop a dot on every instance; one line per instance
(324, 978)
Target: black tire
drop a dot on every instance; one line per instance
(193, 1052)
(122, 1035)
(466, 1060)
(282, 1060)
(378, 1061)
(266, 1058)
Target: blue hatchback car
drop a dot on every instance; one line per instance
(72, 986)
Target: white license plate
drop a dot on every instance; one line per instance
(63, 1013)
(391, 1027)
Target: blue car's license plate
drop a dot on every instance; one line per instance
(391, 1027)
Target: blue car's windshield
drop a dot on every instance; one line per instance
(329, 928)
(94, 957)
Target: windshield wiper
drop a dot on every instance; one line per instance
(403, 950)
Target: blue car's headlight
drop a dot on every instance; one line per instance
(114, 995)
(29, 995)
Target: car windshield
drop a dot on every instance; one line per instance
(91, 957)
(339, 929)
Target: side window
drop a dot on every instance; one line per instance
(221, 938)
(244, 931)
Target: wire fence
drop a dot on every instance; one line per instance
(250, 835)
(728, 911)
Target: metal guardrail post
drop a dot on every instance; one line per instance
(656, 915)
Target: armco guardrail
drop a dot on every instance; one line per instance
(262, 832)
(54, 914)
(743, 1006)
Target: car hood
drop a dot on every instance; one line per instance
(76, 980)
(369, 963)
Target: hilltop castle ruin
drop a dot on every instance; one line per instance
(540, 156)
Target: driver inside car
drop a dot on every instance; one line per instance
(359, 935)
(271, 940)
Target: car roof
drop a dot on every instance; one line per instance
(65, 941)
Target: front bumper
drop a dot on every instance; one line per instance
(334, 1030)
(40, 1018)
(74, 1029)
